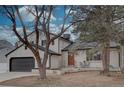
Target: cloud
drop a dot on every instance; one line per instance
(7, 34)
(53, 18)
(29, 17)
(71, 12)
(56, 29)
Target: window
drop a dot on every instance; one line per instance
(93, 56)
(97, 57)
(43, 42)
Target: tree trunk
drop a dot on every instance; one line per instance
(106, 59)
(41, 67)
(46, 55)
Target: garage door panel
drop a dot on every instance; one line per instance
(22, 64)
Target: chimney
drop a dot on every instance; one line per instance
(66, 36)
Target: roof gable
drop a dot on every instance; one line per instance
(40, 48)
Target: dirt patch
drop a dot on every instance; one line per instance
(80, 79)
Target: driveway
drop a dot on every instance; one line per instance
(11, 75)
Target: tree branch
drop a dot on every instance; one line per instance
(22, 23)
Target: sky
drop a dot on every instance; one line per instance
(5, 24)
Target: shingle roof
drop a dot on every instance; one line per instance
(86, 45)
(5, 44)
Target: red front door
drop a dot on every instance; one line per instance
(71, 59)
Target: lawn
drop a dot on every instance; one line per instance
(79, 79)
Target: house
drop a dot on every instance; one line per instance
(22, 59)
(63, 53)
(5, 47)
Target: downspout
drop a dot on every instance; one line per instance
(119, 55)
(122, 58)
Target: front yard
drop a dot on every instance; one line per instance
(80, 79)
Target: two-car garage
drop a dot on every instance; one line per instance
(22, 64)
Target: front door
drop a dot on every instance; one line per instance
(71, 59)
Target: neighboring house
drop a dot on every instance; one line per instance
(22, 59)
(5, 47)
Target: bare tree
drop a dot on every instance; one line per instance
(42, 22)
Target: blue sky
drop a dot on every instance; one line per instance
(5, 23)
(58, 14)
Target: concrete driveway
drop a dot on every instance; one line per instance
(11, 75)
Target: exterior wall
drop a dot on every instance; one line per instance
(3, 60)
(21, 52)
(114, 58)
(121, 57)
(62, 44)
(81, 62)
(3, 67)
(96, 64)
(55, 62)
(64, 58)
(32, 37)
(80, 57)
(55, 46)
(2, 55)
(59, 44)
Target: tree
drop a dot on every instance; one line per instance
(42, 22)
(100, 25)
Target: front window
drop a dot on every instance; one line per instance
(43, 42)
(93, 55)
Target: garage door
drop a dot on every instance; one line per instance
(22, 64)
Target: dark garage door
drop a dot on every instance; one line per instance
(22, 64)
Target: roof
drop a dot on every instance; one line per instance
(5, 44)
(43, 49)
(62, 38)
(40, 47)
(87, 45)
(51, 34)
